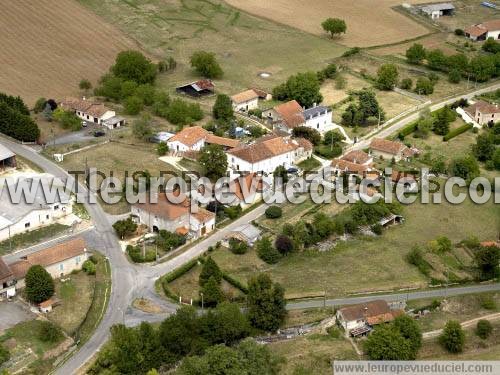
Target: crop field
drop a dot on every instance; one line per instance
(366, 25)
(244, 45)
(48, 46)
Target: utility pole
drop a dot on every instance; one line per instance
(202, 304)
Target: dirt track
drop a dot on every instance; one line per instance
(48, 46)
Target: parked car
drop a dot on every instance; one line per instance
(84, 124)
(99, 133)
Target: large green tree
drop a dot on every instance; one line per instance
(226, 324)
(415, 54)
(387, 343)
(465, 167)
(211, 292)
(266, 303)
(134, 66)
(39, 284)
(334, 26)
(213, 159)
(487, 259)
(208, 270)
(223, 109)
(387, 77)
(302, 87)
(206, 64)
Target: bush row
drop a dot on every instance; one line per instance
(453, 133)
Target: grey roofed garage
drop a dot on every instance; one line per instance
(435, 7)
(246, 232)
(5, 153)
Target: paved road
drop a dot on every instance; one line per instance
(415, 295)
(123, 273)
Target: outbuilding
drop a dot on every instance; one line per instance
(7, 158)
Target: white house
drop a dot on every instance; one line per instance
(319, 118)
(16, 218)
(87, 110)
(194, 138)
(58, 260)
(267, 153)
(178, 218)
(245, 101)
(483, 31)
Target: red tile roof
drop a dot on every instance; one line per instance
(164, 208)
(387, 146)
(357, 156)
(265, 148)
(481, 28)
(348, 166)
(244, 96)
(5, 272)
(367, 310)
(226, 142)
(291, 113)
(190, 136)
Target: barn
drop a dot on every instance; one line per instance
(7, 158)
(203, 87)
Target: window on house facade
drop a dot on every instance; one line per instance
(61, 267)
(27, 225)
(56, 207)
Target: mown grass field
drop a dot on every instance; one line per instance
(369, 264)
(245, 45)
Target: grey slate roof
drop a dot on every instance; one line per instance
(250, 232)
(316, 111)
(5, 153)
(434, 7)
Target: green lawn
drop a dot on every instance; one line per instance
(76, 294)
(245, 45)
(312, 354)
(309, 164)
(31, 238)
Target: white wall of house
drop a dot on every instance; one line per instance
(200, 229)
(349, 325)
(266, 166)
(37, 219)
(246, 106)
(181, 147)
(153, 221)
(60, 269)
(97, 120)
(495, 34)
(485, 118)
(385, 155)
(321, 123)
(7, 291)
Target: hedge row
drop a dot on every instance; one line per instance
(235, 283)
(457, 131)
(175, 274)
(408, 129)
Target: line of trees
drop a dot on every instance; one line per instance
(366, 111)
(15, 120)
(480, 68)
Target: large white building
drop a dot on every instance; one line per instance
(17, 218)
(267, 153)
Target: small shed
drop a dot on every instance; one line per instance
(246, 233)
(203, 87)
(46, 306)
(7, 158)
(114, 122)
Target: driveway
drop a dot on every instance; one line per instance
(12, 313)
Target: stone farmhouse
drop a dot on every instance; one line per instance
(357, 320)
(245, 101)
(355, 162)
(58, 260)
(16, 218)
(483, 113)
(386, 149)
(483, 31)
(175, 218)
(267, 153)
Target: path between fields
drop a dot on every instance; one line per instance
(466, 324)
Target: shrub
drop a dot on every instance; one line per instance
(180, 112)
(456, 132)
(232, 212)
(484, 329)
(459, 32)
(351, 52)
(424, 86)
(4, 354)
(377, 229)
(454, 76)
(415, 257)
(488, 303)
(206, 64)
(407, 130)
(238, 247)
(453, 337)
(162, 148)
(133, 105)
(89, 267)
(406, 84)
(125, 227)
(283, 244)
(40, 105)
(274, 212)
(134, 66)
(266, 251)
(49, 332)
(137, 255)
